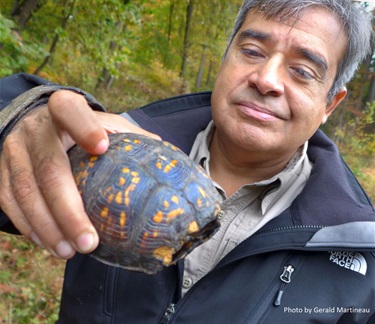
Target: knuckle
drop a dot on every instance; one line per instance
(23, 185)
(9, 145)
(62, 100)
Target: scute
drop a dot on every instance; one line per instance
(149, 202)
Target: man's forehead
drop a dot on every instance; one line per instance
(309, 20)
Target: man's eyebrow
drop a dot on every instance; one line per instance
(313, 57)
(250, 33)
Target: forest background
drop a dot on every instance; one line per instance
(129, 53)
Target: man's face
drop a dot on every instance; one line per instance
(271, 91)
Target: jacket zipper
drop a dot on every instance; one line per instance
(287, 228)
(168, 314)
(285, 278)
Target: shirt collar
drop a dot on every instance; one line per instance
(276, 185)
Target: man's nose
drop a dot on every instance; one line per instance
(268, 77)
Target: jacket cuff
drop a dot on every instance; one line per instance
(33, 98)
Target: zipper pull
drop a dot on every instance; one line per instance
(285, 278)
(168, 314)
(287, 274)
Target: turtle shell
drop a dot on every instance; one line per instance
(150, 203)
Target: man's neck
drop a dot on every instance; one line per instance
(232, 167)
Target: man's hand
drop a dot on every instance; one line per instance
(38, 192)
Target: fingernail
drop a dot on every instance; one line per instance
(36, 240)
(86, 242)
(64, 250)
(101, 147)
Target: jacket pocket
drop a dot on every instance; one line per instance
(275, 295)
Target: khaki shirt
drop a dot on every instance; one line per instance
(246, 211)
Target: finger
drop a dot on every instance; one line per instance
(23, 203)
(75, 119)
(114, 123)
(8, 204)
(57, 186)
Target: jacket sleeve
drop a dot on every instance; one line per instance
(19, 94)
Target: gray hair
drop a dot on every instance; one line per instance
(354, 19)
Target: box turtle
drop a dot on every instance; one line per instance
(150, 203)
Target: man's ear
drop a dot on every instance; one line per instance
(334, 103)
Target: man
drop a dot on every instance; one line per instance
(297, 237)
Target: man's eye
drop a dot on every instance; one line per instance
(303, 74)
(251, 53)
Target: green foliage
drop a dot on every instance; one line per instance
(30, 282)
(361, 140)
(17, 52)
(110, 40)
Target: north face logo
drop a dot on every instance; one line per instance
(349, 260)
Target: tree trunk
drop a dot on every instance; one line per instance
(189, 14)
(106, 78)
(202, 64)
(209, 74)
(55, 40)
(23, 10)
(371, 92)
(171, 11)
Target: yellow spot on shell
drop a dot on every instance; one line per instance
(110, 198)
(159, 165)
(167, 168)
(121, 181)
(193, 227)
(128, 148)
(104, 212)
(80, 178)
(199, 202)
(127, 193)
(155, 234)
(166, 204)
(125, 170)
(174, 213)
(137, 141)
(170, 166)
(175, 199)
(119, 198)
(135, 174)
(136, 180)
(122, 219)
(92, 160)
(158, 218)
(202, 192)
(164, 253)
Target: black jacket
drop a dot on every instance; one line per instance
(314, 263)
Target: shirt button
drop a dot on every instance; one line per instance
(187, 283)
(220, 215)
